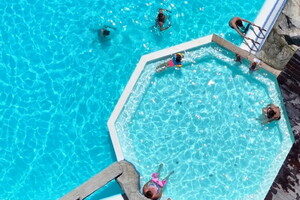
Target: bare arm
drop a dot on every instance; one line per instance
(106, 26)
(249, 22)
(162, 9)
(238, 30)
(275, 117)
(161, 28)
(244, 20)
(253, 24)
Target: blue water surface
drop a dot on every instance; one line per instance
(59, 83)
(204, 122)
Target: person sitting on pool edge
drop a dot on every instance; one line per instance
(237, 24)
(153, 189)
(175, 61)
(161, 19)
(271, 113)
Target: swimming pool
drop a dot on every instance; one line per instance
(59, 84)
(203, 122)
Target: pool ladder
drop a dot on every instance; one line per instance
(254, 44)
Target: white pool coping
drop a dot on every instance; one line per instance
(133, 79)
(162, 54)
(159, 55)
(265, 19)
(130, 85)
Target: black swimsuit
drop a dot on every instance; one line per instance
(269, 113)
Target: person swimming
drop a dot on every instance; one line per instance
(238, 58)
(271, 113)
(161, 19)
(237, 24)
(105, 32)
(255, 65)
(175, 61)
(153, 189)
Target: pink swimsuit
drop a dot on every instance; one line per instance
(171, 63)
(155, 179)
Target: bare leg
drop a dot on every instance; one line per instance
(161, 67)
(167, 177)
(159, 169)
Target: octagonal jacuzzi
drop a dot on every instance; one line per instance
(204, 122)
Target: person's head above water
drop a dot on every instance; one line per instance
(105, 32)
(270, 113)
(239, 23)
(149, 194)
(161, 17)
(179, 56)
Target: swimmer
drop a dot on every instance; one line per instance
(175, 61)
(161, 19)
(104, 32)
(238, 58)
(237, 24)
(270, 113)
(153, 189)
(255, 65)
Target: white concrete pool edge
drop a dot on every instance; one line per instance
(265, 19)
(162, 54)
(130, 85)
(133, 79)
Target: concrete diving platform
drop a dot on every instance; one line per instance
(124, 173)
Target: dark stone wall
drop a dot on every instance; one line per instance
(286, 185)
(284, 38)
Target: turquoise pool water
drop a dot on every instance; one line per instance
(203, 122)
(59, 84)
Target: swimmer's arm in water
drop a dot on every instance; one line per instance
(161, 28)
(162, 9)
(265, 121)
(239, 32)
(106, 26)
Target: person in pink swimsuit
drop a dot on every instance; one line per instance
(153, 189)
